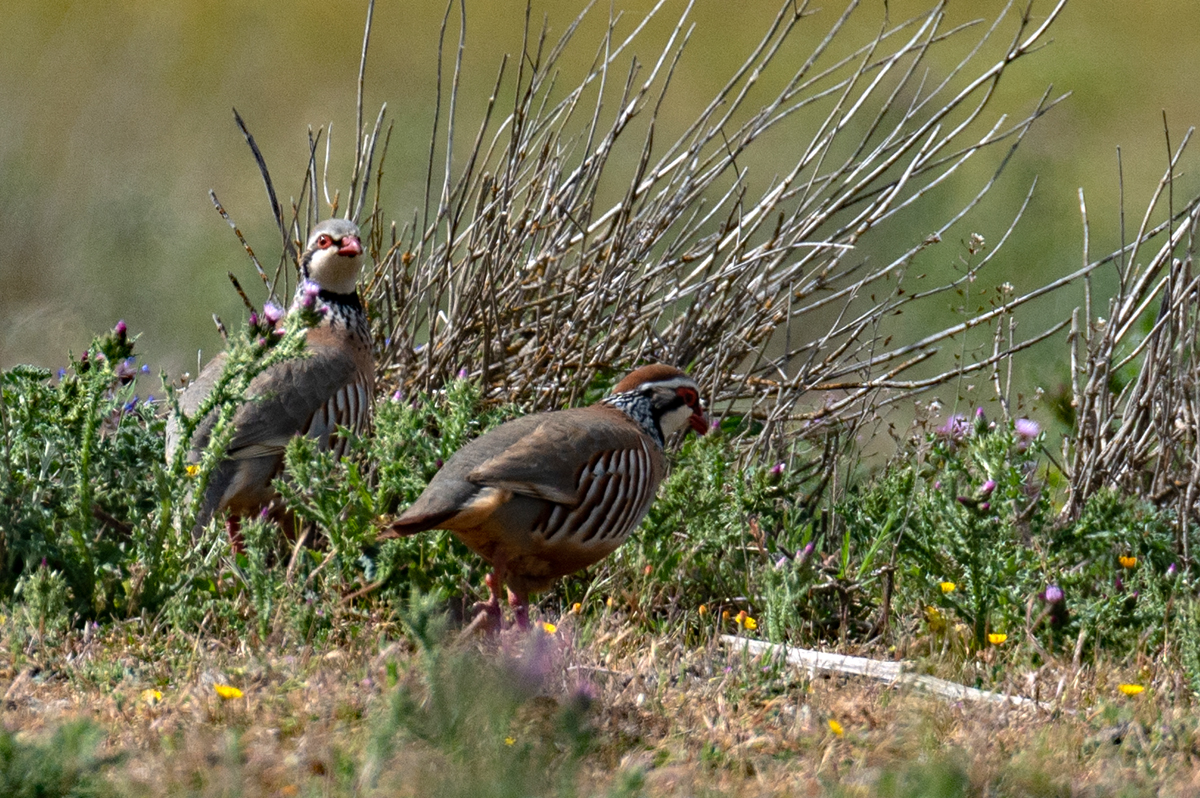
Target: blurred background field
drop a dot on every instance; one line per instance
(115, 122)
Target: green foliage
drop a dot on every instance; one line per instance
(973, 506)
(43, 597)
(68, 763)
(478, 722)
(714, 534)
(78, 463)
(96, 525)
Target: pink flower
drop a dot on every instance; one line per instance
(307, 294)
(272, 313)
(955, 428)
(1027, 428)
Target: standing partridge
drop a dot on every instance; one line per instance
(546, 495)
(331, 384)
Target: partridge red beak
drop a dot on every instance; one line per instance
(350, 246)
(698, 422)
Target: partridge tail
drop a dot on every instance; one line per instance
(409, 524)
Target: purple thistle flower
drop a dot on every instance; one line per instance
(398, 396)
(937, 484)
(713, 424)
(777, 469)
(272, 313)
(438, 463)
(462, 373)
(1172, 570)
(979, 413)
(1053, 594)
(985, 506)
(1027, 428)
(802, 557)
(253, 318)
(955, 428)
(307, 294)
(121, 328)
(781, 562)
(988, 487)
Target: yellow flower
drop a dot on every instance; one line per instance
(1128, 561)
(227, 692)
(549, 627)
(948, 587)
(151, 696)
(509, 740)
(836, 727)
(996, 638)
(933, 616)
(1130, 689)
(741, 617)
(576, 608)
(193, 470)
(703, 609)
(750, 624)
(724, 615)
(609, 602)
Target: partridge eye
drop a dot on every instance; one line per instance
(689, 396)
(324, 241)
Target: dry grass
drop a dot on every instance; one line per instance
(677, 719)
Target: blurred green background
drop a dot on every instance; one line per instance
(115, 122)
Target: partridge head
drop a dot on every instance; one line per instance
(331, 384)
(546, 495)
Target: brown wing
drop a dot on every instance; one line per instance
(331, 384)
(549, 461)
(614, 492)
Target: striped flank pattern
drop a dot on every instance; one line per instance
(617, 488)
(350, 407)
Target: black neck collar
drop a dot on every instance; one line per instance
(350, 299)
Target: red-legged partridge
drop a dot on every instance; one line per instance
(546, 495)
(331, 384)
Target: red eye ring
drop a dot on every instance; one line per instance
(689, 396)
(324, 241)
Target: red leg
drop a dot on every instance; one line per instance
(520, 605)
(488, 618)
